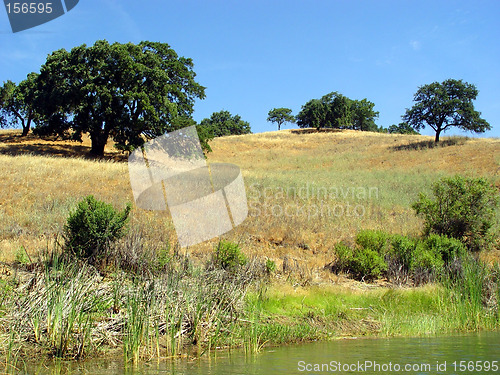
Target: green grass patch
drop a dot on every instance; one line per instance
(334, 312)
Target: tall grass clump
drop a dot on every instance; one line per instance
(471, 286)
(67, 309)
(253, 333)
(57, 310)
(140, 304)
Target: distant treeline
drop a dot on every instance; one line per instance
(437, 105)
(135, 92)
(336, 111)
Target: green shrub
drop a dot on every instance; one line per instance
(426, 259)
(399, 258)
(270, 266)
(403, 249)
(448, 248)
(429, 253)
(362, 263)
(228, 255)
(433, 251)
(426, 265)
(367, 264)
(344, 255)
(162, 258)
(373, 239)
(470, 287)
(462, 208)
(93, 227)
(410, 259)
(21, 256)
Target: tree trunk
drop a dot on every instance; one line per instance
(98, 143)
(279, 126)
(26, 128)
(437, 135)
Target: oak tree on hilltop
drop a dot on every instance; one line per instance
(335, 110)
(280, 116)
(444, 105)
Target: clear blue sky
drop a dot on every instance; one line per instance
(253, 55)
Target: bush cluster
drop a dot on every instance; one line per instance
(459, 219)
(397, 257)
(365, 260)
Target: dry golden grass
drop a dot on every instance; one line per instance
(355, 150)
(345, 159)
(41, 183)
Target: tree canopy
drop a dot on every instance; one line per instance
(129, 92)
(363, 116)
(444, 105)
(16, 103)
(335, 110)
(280, 116)
(314, 114)
(223, 123)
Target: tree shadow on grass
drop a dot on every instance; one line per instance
(422, 145)
(14, 144)
(314, 130)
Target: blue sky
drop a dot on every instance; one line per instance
(253, 55)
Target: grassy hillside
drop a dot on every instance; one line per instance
(306, 191)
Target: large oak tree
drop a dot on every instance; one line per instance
(128, 92)
(444, 105)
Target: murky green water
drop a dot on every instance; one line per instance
(479, 353)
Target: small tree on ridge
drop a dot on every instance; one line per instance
(280, 116)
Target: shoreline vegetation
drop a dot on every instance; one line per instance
(63, 308)
(274, 280)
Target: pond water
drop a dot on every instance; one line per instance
(459, 354)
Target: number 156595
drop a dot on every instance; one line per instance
(29, 8)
